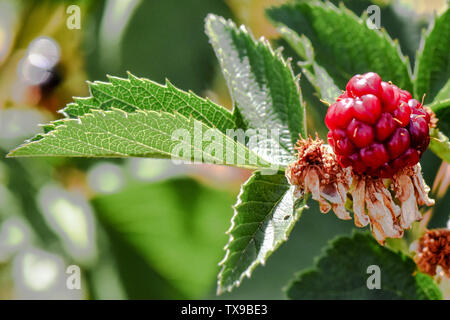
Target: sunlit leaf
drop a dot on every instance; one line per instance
(262, 84)
(152, 134)
(264, 215)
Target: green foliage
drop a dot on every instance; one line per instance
(343, 44)
(264, 215)
(341, 273)
(398, 18)
(431, 79)
(444, 93)
(317, 75)
(440, 144)
(442, 110)
(141, 94)
(433, 60)
(171, 228)
(261, 83)
(333, 33)
(135, 93)
(116, 133)
(175, 227)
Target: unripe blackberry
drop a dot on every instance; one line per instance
(377, 128)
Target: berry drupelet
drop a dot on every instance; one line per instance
(377, 128)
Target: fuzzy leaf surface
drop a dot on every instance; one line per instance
(262, 86)
(152, 134)
(316, 74)
(135, 93)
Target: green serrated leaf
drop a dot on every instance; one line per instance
(317, 75)
(142, 94)
(440, 144)
(399, 19)
(343, 43)
(433, 59)
(135, 93)
(152, 134)
(262, 84)
(264, 215)
(442, 110)
(342, 273)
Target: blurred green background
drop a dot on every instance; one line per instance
(139, 228)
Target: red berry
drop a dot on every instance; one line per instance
(420, 112)
(342, 143)
(405, 96)
(329, 118)
(344, 161)
(377, 128)
(343, 113)
(374, 155)
(385, 171)
(398, 143)
(339, 113)
(389, 97)
(409, 158)
(357, 164)
(368, 83)
(401, 114)
(413, 103)
(419, 131)
(367, 109)
(360, 133)
(343, 96)
(384, 127)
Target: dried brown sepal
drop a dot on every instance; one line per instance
(433, 119)
(317, 171)
(411, 191)
(433, 251)
(388, 213)
(382, 211)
